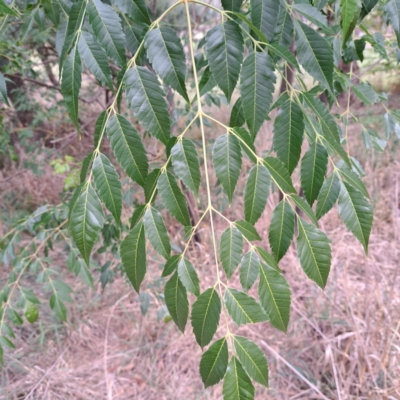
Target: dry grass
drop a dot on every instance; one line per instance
(343, 343)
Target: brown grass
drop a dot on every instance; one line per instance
(343, 343)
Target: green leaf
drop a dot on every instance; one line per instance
(227, 161)
(274, 295)
(246, 142)
(393, 12)
(252, 359)
(188, 276)
(134, 9)
(367, 6)
(352, 178)
(314, 252)
(214, 362)
(313, 15)
(243, 308)
(128, 148)
(75, 20)
(237, 114)
(150, 186)
(314, 54)
(31, 313)
(71, 79)
(330, 130)
(288, 134)
(350, 14)
(247, 230)
(137, 215)
(237, 385)
(156, 232)
(147, 100)
(165, 52)
(5, 9)
(224, 50)
(249, 267)
(171, 265)
(134, 34)
(108, 185)
(100, 127)
(207, 82)
(107, 29)
(173, 198)
(231, 5)
(264, 15)
(281, 229)
(356, 213)
(328, 195)
(366, 93)
(58, 307)
(205, 316)
(305, 208)
(256, 89)
(86, 163)
(256, 193)
(230, 250)
(95, 59)
(283, 53)
(186, 164)
(86, 221)
(176, 301)
(133, 255)
(279, 174)
(283, 33)
(3, 90)
(313, 170)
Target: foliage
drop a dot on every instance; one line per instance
(252, 47)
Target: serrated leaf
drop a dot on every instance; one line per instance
(207, 82)
(147, 100)
(314, 54)
(165, 52)
(71, 79)
(134, 9)
(367, 6)
(188, 276)
(237, 114)
(247, 230)
(279, 174)
(176, 301)
(231, 5)
(237, 385)
(186, 164)
(356, 213)
(134, 34)
(133, 255)
(128, 148)
(205, 316)
(314, 252)
(214, 362)
(350, 13)
(224, 50)
(303, 206)
(86, 163)
(75, 20)
(366, 93)
(330, 130)
(171, 265)
(281, 229)
(283, 53)
(137, 215)
(313, 170)
(230, 250)
(252, 359)
(274, 295)
(264, 15)
(108, 185)
(86, 221)
(227, 161)
(328, 195)
(156, 232)
(313, 15)
(257, 81)
(256, 193)
(3, 90)
(246, 142)
(95, 59)
(100, 127)
(107, 29)
(288, 134)
(352, 178)
(173, 198)
(5, 9)
(243, 308)
(150, 186)
(283, 33)
(393, 12)
(249, 267)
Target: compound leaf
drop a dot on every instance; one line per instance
(176, 301)
(214, 362)
(156, 232)
(328, 195)
(230, 250)
(237, 384)
(188, 276)
(249, 267)
(264, 15)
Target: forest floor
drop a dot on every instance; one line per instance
(342, 343)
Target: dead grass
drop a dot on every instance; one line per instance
(343, 343)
